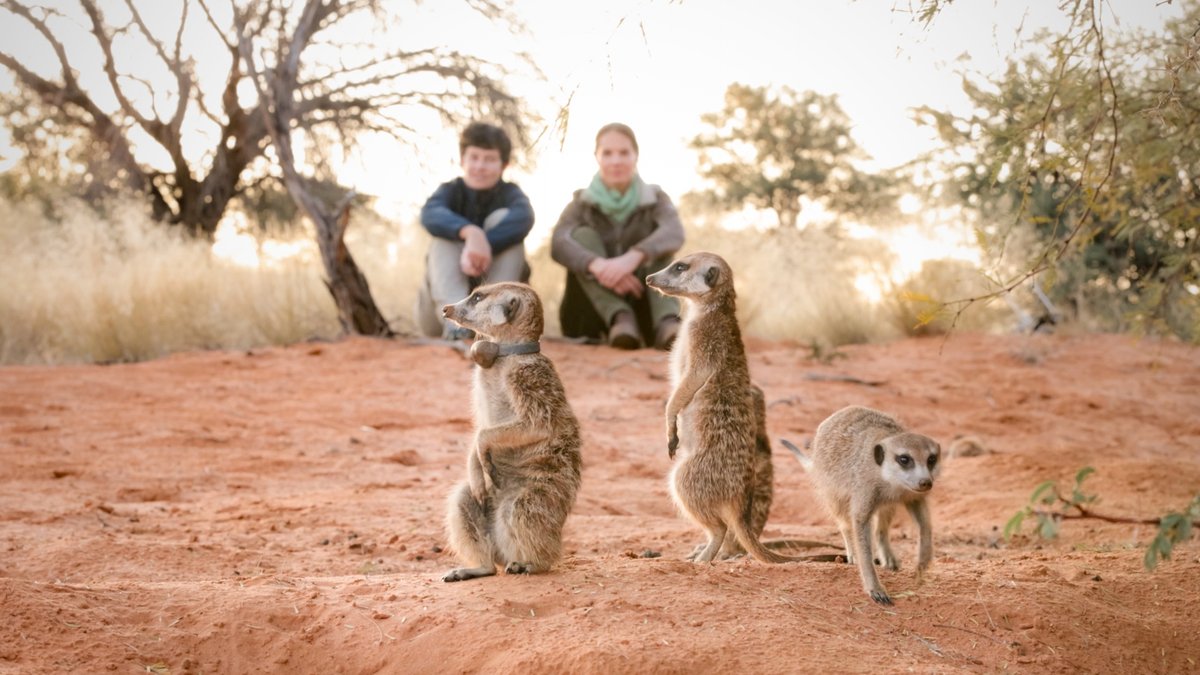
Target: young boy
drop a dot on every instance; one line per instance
(479, 223)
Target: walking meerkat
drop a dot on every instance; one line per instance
(864, 464)
(711, 411)
(523, 468)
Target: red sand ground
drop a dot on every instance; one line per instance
(281, 511)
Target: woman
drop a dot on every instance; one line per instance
(612, 234)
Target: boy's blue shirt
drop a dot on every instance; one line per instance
(454, 205)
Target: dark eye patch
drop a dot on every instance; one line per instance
(933, 459)
(680, 267)
(904, 460)
(476, 297)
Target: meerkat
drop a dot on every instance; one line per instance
(710, 414)
(523, 468)
(762, 490)
(864, 464)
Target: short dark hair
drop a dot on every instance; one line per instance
(486, 136)
(622, 129)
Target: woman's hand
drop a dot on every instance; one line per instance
(617, 273)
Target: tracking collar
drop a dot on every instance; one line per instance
(485, 352)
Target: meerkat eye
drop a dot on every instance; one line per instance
(903, 460)
(932, 462)
(680, 267)
(476, 297)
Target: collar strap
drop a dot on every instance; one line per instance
(485, 352)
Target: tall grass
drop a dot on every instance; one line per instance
(821, 287)
(78, 287)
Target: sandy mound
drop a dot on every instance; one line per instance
(281, 511)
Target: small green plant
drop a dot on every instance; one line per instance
(1049, 506)
(1172, 529)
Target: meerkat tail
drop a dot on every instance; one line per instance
(751, 543)
(805, 460)
(777, 544)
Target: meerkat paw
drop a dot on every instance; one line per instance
(465, 573)
(518, 568)
(888, 562)
(880, 596)
(921, 571)
(478, 493)
(691, 557)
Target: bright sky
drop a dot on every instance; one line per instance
(659, 65)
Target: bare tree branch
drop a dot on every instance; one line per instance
(110, 69)
(24, 12)
(216, 27)
(357, 311)
(328, 102)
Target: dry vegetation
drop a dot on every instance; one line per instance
(76, 287)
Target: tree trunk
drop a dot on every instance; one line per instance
(357, 310)
(356, 307)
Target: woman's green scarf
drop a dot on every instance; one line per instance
(612, 203)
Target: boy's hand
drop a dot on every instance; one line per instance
(477, 252)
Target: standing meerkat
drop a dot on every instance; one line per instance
(523, 469)
(864, 464)
(762, 490)
(711, 411)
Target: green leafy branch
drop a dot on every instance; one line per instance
(1050, 506)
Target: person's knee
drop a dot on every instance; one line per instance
(509, 265)
(493, 219)
(589, 239)
(443, 251)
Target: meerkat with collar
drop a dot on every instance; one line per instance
(711, 412)
(523, 469)
(864, 464)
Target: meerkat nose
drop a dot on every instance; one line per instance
(447, 309)
(925, 484)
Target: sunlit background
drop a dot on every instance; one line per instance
(655, 65)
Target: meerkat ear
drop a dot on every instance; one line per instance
(511, 307)
(879, 454)
(712, 276)
(498, 313)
